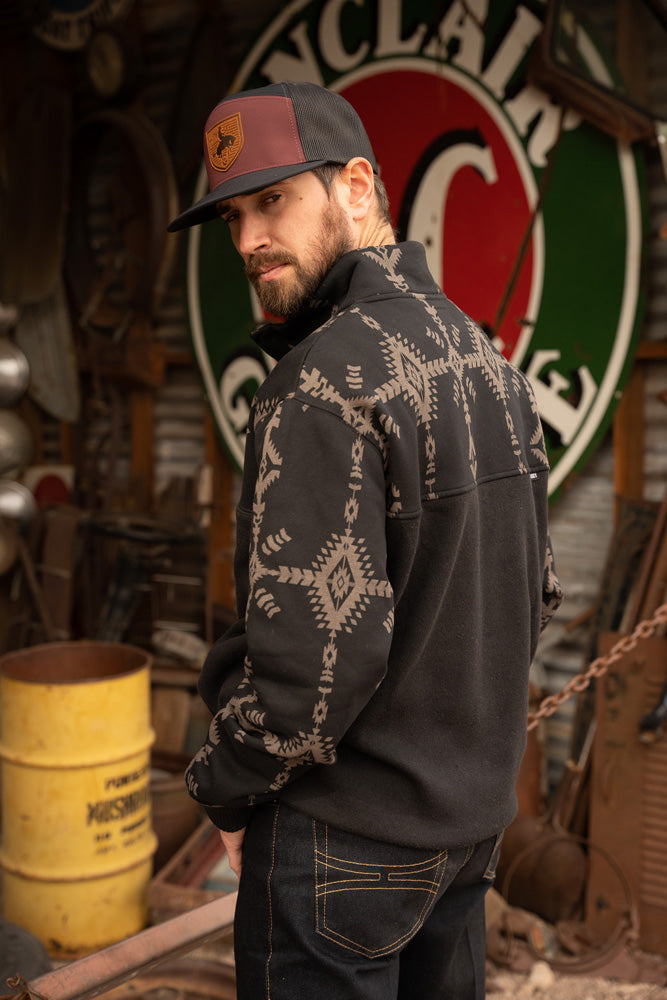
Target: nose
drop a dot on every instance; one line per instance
(251, 234)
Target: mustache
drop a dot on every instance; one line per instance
(258, 262)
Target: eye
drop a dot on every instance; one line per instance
(226, 214)
(272, 198)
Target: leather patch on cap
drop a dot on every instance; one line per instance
(224, 142)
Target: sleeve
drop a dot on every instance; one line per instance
(552, 594)
(319, 616)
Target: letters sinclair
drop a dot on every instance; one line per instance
(461, 24)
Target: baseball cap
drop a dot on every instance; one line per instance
(258, 137)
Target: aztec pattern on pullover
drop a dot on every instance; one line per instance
(393, 570)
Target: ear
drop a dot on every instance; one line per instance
(360, 187)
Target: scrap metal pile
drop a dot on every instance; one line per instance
(583, 885)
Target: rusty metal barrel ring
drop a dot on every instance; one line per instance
(625, 932)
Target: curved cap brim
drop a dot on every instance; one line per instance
(205, 209)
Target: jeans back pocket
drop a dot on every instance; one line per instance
(371, 897)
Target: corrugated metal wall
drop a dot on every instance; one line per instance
(655, 325)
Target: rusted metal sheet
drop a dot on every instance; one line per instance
(184, 979)
(628, 813)
(106, 969)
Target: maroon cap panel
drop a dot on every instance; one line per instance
(249, 134)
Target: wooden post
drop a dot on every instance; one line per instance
(142, 447)
(631, 49)
(628, 430)
(628, 425)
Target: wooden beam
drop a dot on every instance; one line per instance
(628, 426)
(631, 49)
(142, 447)
(628, 436)
(651, 350)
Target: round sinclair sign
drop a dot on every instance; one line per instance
(531, 218)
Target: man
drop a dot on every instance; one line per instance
(393, 572)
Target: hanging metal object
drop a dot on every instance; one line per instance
(16, 444)
(17, 503)
(14, 373)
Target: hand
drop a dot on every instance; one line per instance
(234, 846)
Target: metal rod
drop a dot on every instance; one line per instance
(101, 971)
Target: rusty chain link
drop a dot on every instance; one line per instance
(598, 667)
(22, 990)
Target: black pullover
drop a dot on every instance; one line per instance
(393, 570)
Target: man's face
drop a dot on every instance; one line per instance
(289, 235)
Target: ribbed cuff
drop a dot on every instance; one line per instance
(228, 818)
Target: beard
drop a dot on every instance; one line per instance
(285, 297)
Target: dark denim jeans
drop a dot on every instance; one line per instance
(327, 915)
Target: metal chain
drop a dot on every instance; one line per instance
(598, 667)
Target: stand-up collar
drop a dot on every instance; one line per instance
(372, 272)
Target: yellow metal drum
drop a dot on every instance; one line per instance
(78, 841)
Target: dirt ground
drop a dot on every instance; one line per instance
(519, 942)
(542, 982)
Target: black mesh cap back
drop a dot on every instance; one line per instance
(330, 131)
(329, 127)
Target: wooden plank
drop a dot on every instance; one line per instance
(142, 447)
(628, 432)
(57, 565)
(32, 415)
(170, 715)
(650, 590)
(631, 51)
(68, 443)
(652, 350)
(628, 426)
